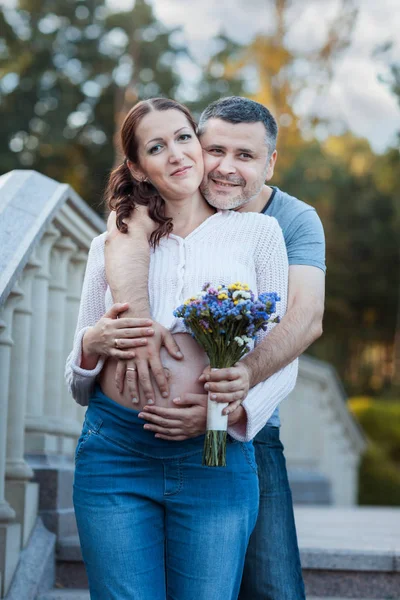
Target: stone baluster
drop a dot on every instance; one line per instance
(10, 532)
(21, 493)
(76, 269)
(55, 359)
(37, 438)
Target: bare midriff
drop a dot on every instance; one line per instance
(183, 375)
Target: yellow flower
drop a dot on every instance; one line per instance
(222, 296)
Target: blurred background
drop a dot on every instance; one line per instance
(329, 72)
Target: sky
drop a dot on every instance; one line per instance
(355, 96)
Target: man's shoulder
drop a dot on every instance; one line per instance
(282, 203)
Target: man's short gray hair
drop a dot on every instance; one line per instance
(236, 109)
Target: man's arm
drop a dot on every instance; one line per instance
(299, 328)
(127, 259)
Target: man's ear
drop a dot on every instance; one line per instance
(136, 171)
(271, 165)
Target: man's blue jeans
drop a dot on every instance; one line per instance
(154, 524)
(272, 567)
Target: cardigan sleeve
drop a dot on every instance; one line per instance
(92, 307)
(272, 276)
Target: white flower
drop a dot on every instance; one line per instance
(241, 294)
(239, 341)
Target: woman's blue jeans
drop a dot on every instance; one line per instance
(154, 524)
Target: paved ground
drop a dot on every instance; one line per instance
(357, 528)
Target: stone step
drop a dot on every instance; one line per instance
(65, 595)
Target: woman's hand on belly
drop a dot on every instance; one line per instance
(183, 375)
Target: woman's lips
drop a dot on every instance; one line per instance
(180, 171)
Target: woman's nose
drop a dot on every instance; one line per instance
(175, 154)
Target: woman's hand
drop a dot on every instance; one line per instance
(227, 385)
(147, 363)
(116, 337)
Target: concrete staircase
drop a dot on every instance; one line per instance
(346, 553)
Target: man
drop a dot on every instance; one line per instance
(238, 137)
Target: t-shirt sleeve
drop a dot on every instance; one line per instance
(305, 240)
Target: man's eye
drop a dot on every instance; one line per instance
(245, 155)
(215, 151)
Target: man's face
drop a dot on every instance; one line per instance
(236, 163)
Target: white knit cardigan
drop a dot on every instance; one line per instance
(227, 247)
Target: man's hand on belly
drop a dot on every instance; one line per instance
(187, 421)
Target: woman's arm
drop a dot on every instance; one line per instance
(81, 380)
(272, 276)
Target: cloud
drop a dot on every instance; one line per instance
(355, 95)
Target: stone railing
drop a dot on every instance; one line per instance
(45, 234)
(323, 443)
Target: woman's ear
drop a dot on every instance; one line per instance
(136, 171)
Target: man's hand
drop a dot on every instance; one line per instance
(188, 420)
(149, 361)
(227, 385)
(139, 218)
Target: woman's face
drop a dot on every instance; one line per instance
(170, 155)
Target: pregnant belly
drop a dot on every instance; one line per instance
(183, 375)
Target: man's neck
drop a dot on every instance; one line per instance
(259, 202)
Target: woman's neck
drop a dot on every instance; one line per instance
(188, 213)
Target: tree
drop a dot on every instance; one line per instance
(70, 71)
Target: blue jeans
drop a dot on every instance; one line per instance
(272, 568)
(154, 524)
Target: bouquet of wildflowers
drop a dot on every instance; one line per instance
(224, 320)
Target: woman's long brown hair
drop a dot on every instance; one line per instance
(123, 191)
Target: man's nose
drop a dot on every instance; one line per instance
(226, 166)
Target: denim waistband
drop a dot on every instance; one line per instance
(124, 425)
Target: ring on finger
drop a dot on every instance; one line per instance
(116, 343)
(131, 368)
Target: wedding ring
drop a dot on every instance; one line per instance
(131, 368)
(116, 342)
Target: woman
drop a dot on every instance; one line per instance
(154, 523)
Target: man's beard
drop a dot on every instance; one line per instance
(230, 202)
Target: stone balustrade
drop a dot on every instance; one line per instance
(45, 235)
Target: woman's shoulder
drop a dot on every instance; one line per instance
(100, 240)
(96, 252)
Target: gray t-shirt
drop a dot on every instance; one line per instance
(304, 239)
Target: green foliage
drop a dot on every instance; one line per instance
(379, 479)
(70, 70)
(379, 474)
(358, 204)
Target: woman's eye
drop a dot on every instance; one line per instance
(155, 149)
(185, 137)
